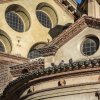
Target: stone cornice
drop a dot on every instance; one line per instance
(75, 29)
(57, 1)
(42, 75)
(13, 57)
(48, 50)
(16, 70)
(17, 64)
(5, 1)
(64, 87)
(69, 33)
(84, 22)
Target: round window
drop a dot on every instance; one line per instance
(90, 45)
(46, 15)
(15, 21)
(44, 19)
(17, 18)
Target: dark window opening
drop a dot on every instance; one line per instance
(90, 45)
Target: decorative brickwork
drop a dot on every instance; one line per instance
(30, 66)
(6, 61)
(69, 33)
(5, 75)
(50, 73)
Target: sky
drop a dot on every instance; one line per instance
(79, 1)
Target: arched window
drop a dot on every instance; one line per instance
(34, 53)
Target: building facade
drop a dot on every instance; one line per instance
(50, 49)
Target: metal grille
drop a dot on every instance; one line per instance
(44, 19)
(34, 54)
(2, 49)
(14, 21)
(90, 46)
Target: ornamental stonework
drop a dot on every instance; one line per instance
(5, 76)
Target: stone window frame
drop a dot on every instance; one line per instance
(20, 12)
(48, 10)
(6, 41)
(94, 39)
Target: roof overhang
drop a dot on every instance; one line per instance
(84, 22)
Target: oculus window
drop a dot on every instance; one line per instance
(46, 15)
(17, 18)
(15, 21)
(44, 19)
(90, 45)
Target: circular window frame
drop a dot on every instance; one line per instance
(22, 14)
(50, 11)
(82, 42)
(47, 16)
(21, 21)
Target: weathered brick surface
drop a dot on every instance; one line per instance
(5, 76)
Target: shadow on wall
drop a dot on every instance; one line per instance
(54, 32)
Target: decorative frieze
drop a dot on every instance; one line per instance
(75, 68)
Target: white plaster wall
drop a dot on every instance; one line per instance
(85, 92)
(72, 48)
(69, 81)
